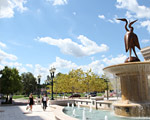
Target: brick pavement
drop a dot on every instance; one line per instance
(20, 113)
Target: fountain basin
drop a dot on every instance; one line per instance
(135, 88)
(98, 114)
(132, 109)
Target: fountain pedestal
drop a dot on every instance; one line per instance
(135, 88)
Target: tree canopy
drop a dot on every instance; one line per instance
(78, 81)
(29, 83)
(10, 81)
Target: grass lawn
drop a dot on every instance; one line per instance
(55, 95)
(22, 96)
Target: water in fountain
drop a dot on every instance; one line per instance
(83, 115)
(72, 105)
(78, 106)
(106, 118)
(67, 104)
(73, 113)
(97, 114)
(91, 107)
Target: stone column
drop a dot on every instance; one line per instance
(134, 87)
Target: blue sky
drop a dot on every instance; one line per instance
(36, 35)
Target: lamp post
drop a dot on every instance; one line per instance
(52, 72)
(38, 82)
(107, 87)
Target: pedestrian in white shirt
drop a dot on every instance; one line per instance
(44, 101)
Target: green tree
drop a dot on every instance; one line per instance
(92, 82)
(78, 81)
(76, 78)
(10, 81)
(29, 83)
(61, 83)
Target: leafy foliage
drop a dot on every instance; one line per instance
(29, 83)
(10, 81)
(78, 81)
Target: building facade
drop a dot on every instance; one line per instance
(146, 53)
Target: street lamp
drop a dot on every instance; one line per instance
(52, 72)
(38, 82)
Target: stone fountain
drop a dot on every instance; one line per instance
(134, 79)
(135, 88)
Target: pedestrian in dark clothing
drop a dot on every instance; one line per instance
(31, 101)
(44, 101)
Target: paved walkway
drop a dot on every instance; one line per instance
(20, 113)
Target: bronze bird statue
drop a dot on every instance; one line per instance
(131, 40)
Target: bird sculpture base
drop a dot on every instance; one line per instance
(132, 59)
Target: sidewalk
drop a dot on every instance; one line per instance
(20, 113)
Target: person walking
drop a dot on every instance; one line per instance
(31, 101)
(10, 98)
(44, 101)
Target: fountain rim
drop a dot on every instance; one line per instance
(129, 63)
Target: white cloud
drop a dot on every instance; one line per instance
(95, 66)
(7, 7)
(101, 16)
(6, 60)
(111, 21)
(119, 59)
(11, 64)
(22, 70)
(16, 65)
(1, 67)
(138, 11)
(128, 14)
(114, 20)
(67, 46)
(40, 70)
(146, 24)
(62, 65)
(60, 2)
(134, 10)
(2, 45)
(29, 65)
(145, 41)
(4, 55)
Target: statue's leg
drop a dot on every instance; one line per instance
(135, 52)
(130, 52)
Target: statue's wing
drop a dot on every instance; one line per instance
(136, 41)
(126, 42)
